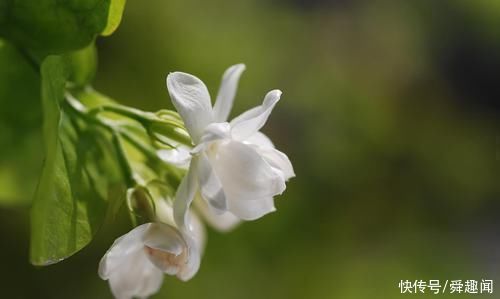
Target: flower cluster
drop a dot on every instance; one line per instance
(233, 173)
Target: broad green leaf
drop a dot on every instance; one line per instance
(20, 123)
(21, 119)
(72, 196)
(55, 27)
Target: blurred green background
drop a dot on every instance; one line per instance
(390, 115)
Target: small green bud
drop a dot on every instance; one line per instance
(141, 203)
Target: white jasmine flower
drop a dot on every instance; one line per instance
(234, 167)
(136, 262)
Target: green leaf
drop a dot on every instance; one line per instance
(79, 170)
(55, 27)
(114, 16)
(20, 123)
(83, 65)
(21, 119)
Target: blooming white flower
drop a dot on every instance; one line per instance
(234, 167)
(136, 262)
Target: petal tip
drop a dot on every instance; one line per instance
(234, 71)
(241, 66)
(182, 77)
(103, 271)
(238, 67)
(272, 97)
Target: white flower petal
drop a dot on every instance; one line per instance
(176, 252)
(252, 209)
(137, 277)
(164, 211)
(164, 237)
(195, 238)
(275, 158)
(152, 281)
(210, 185)
(227, 91)
(167, 262)
(178, 156)
(279, 161)
(244, 174)
(197, 231)
(192, 100)
(192, 265)
(260, 140)
(135, 264)
(222, 222)
(213, 132)
(185, 195)
(252, 120)
(127, 268)
(120, 250)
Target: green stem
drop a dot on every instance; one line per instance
(136, 114)
(167, 121)
(78, 109)
(122, 158)
(140, 146)
(145, 150)
(149, 120)
(116, 133)
(169, 133)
